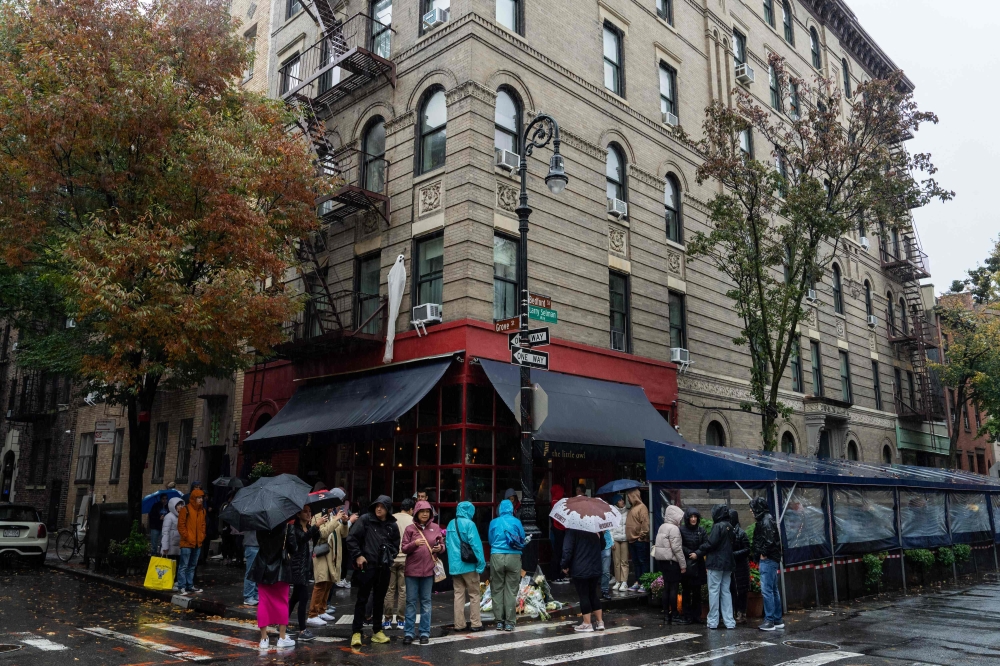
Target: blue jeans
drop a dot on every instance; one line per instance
(249, 587)
(605, 570)
(185, 571)
(154, 542)
(719, 595)
(769, 590)
(418, 590)
(639, 552)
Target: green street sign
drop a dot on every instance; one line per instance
(543, 314)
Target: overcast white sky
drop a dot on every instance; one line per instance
(949, 51)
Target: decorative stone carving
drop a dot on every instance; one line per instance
(862, 418)
(840, 329)
(507, 197)
(871, 340)
(470, 89)
(369, 222)
(643, 176)
(584, 146)
(400, 122)
(824, 408)
(674, 263)
(689, 383)
(809, 317)
(617, 240)
(429, 199)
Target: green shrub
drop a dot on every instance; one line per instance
(921, 558)
(946, 556)
(750, 531)
(706, 524)
(963, 552)
(261, 469)
(873, 569)
(136, 545)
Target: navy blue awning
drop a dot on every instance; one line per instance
(585, 414)
(353, 406)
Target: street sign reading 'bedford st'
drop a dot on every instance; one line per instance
(537, 337)
(532, 359)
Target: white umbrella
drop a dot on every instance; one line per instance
(589, 514)
(397, 283)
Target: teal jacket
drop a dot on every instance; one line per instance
(506, 532)
(463, 528)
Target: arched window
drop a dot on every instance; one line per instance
(903, 324)
(615, 169)
(814, 47)
(715, 435)
(432, 132)
(838, 291)
(890, 313)
(847, 77)
(786, 10)
(887, 454)
(672, 207)
(852, 451)
(869, 310)
(507, 119)
(373, 159)
(788, 443)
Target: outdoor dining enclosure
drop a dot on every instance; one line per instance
(916, 524)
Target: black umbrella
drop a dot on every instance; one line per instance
(267, 503)
(232, 482)
(324, 499)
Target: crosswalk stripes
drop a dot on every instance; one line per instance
(147, 644)
(207, 635)
(39, 643)
(502, 647)
(272, 630)
(492, 633)
(821, 658)
(345, 619)
(606, 650)
(711, 655)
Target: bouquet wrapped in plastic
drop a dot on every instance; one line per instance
(485, 599)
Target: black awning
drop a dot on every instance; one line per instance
(585, 412)
(360, 406)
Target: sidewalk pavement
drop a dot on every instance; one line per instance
(222, 594)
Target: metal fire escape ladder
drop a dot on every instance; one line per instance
(323, 303)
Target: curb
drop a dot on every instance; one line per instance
(209, 607)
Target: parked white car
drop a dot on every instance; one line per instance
(23, 533)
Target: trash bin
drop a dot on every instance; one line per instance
(106, 522)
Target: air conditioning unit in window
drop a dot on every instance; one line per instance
(435, 17)
(423, 314)
(670, 119)
(507, 160)
(863, 242)
(744, 73)
(681, 357)
(811, 296)
(872, 321)
(618, 208)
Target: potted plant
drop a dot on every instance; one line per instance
(652, 582)
(755, 601)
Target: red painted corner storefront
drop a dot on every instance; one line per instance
(460, 441)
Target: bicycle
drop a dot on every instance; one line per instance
(68, 544)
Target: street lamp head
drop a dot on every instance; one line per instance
(556, 178)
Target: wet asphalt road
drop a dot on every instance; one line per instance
(48, 617)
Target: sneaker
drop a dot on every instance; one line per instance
(509, 626)
(356, 640)
(424, 640)
(265, 644)
(501, 626)
(395, 624)
(285, 642)
(330, 610)
(779, 625)
(407, 640)
(635, 588)
(767, 626)
(606, 595)
(306, 635)
(713, 628)
(252, 602)
(386, 626)
(326, 617)
(380, 637)
(584, 628)
(599, 626)
(315, 622)
(345, 584)
(475, 629)
(195, 590)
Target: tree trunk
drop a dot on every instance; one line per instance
(769, 429)
(955, 425)
(139, 408)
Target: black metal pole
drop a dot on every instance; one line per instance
(538, 133)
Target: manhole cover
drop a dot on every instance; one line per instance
(9, 648)
(812, 645)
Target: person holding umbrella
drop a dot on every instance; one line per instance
(271, 574)
(298, 543)
(373, 543)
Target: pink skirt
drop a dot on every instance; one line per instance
(272, 605)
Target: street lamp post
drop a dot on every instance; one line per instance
(539, 132)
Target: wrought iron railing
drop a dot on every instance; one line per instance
(344, 314)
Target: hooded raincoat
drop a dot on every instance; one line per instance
(191, 521)
(375, 540)
(419, 558)
(668, 538)
(463, 529)
(170, 538)
(718, 547)
(691, 540)
(506, 532)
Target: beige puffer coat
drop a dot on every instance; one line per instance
(668, 537)
(327, 567)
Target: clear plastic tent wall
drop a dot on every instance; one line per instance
(864, 520)
(922, 517)
(968, 517)
(803, 524)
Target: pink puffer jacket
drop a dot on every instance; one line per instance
(419, 560)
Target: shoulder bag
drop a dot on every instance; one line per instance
(467, 554)
(439, 573)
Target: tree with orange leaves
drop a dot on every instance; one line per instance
(143, 195)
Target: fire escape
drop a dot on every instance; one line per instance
(908, 329)
(31, 396)
(348, 56)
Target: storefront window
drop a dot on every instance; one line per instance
(402, 484)
(479, 485)
(428, 411)
(478, 447)
(427, 449)
(451, 485)
(451, 404)
(480, 404)
(451, 447)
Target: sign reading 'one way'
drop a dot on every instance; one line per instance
(532, 359)
(537, 337)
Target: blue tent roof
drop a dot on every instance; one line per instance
(695, 465)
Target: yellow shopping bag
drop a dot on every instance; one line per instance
(160, 574)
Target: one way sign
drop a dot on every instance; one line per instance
(537, 337)
(532, 359)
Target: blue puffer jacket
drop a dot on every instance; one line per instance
(464, 529)
(506, 532)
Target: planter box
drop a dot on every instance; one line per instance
(755, 605)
